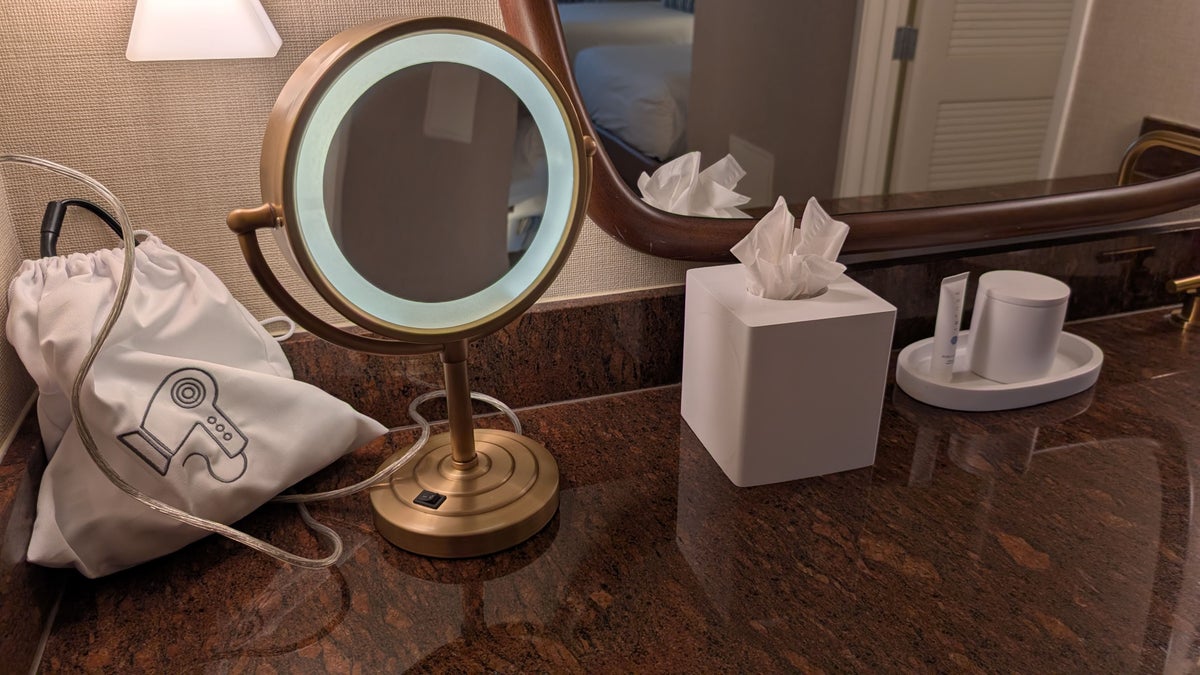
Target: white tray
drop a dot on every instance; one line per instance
(1076, 367)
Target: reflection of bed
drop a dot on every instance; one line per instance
(590, 24)
(639, 93)
(632, 62)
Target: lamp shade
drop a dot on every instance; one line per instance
(178, 30)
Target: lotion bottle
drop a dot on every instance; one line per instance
(945, 330)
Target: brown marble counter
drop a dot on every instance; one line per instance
(1056, 539)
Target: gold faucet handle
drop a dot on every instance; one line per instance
(1185, 285)
(1189, 314)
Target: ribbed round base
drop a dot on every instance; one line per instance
(434, 509)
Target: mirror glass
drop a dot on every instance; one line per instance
(978, 101)
(435, 182)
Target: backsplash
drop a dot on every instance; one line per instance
(587, 347)
(559, 350)
(1106, 276)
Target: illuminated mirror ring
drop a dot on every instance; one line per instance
(313, 119)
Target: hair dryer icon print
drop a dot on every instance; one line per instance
(184, 402)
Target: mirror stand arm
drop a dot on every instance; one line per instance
(458, 405)
(246, 223)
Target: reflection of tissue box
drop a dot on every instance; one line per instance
(783, 389)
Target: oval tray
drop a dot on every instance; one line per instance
(1076, 367)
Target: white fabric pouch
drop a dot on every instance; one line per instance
(190, 400)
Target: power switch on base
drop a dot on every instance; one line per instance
(429, 499)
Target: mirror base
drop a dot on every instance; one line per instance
(434, 509)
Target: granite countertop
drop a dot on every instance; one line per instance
(1045, 540)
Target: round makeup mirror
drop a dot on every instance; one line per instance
(428, 178)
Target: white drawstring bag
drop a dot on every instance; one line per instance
(190, 401)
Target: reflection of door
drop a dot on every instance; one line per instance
(982, 93)
(871, 99)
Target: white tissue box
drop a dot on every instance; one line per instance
(783, 389)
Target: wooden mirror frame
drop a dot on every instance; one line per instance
(879, 235)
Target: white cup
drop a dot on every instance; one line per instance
(1016, 324)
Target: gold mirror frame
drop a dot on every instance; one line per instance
(490, 489)
(292, 110)
(880, 235)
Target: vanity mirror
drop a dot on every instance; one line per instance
(428, 178)
(993, 180)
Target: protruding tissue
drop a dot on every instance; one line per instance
(679, 186)
(783, 264)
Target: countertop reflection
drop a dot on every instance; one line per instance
(1045, 540)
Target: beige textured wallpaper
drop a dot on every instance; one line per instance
(1138, 59)
(178, 142)
(16, 386)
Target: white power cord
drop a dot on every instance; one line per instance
(387, 471)
(128, 235)
(291, 326)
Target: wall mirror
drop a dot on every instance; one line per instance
(428, 178)
(986, 121)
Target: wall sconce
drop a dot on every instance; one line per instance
(179, 30)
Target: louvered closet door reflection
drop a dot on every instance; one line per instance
(980, 92)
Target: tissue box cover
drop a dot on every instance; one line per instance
(783, 389)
